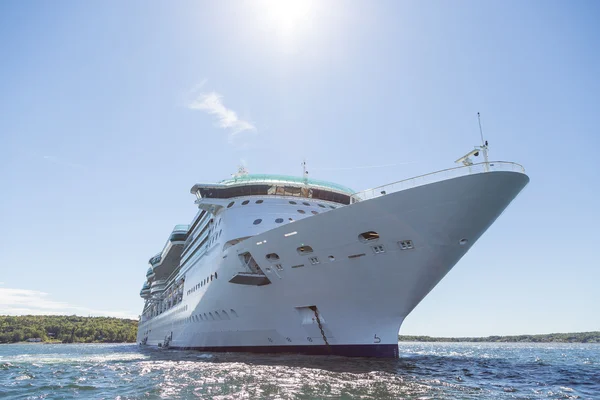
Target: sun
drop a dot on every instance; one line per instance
(287, 16)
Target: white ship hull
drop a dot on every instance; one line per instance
(362, 294)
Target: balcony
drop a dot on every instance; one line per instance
(156, 259)
(180, 233)
(158, 286)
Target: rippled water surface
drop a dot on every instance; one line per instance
(424, 371)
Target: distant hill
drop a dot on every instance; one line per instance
(67, 329)
(581, 337)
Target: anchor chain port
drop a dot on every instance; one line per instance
(314, 308)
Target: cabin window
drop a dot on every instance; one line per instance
(293, 202)
(230, 204)
(321, 205)
(368, 236)
(315, 212)
(306, 203)
(257, 221)
(332, 207)
(302, 211)
(259, 201)
(304, 250)
(216, 275)
(279, 220)
(245, 202)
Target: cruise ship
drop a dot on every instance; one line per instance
(274, 263)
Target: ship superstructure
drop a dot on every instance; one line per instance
(274, 263)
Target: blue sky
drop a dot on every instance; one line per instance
(111, 111)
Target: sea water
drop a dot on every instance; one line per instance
(423, 371)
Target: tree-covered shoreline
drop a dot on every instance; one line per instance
(580, 337)
(67, 329)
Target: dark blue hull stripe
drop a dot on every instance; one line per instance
(349, 350)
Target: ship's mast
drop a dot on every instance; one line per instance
(466, 159)
(484, 144)
(304, 172)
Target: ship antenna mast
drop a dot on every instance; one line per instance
(304, 172)
(466, 159)
(484, 144)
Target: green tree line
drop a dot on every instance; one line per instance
(67, 329)
(581, 337)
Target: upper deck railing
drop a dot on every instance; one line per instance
(437, 177)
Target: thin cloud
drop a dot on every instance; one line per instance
(58, 161)
(212, 103)
(33, 302)
(199, 86)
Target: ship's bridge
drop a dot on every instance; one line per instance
(274, 185)
(145, 292)
(164, 263)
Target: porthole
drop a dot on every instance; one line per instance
(245, 202)
(302, 211)
(293, 202)
(315, 212)
(215, 275)
(321, 205)
(230, 204)
(306, 203)
(304, 250)
(259, 201)
(257, 221)
(279, 220)
(332, 207)
(368, 236)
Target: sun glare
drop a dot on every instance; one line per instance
(286, 16)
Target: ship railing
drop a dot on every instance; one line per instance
(438, 176)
